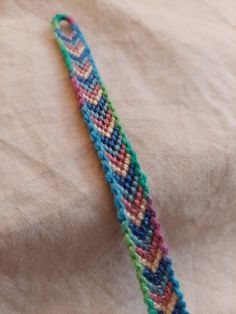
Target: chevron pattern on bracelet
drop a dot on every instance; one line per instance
(138, 218)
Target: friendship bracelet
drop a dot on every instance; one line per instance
(139, 224)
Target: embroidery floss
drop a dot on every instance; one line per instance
(138, 219)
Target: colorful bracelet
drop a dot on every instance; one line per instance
(139, 224)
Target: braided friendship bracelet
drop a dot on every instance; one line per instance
(139, 224)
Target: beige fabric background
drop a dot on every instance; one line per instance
(170, 68)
